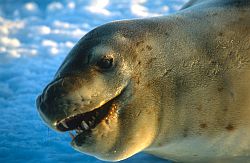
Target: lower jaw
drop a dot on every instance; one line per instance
(84, 138)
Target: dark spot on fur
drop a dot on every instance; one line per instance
(138, 81)
(220, 89)
(230, 127)
(199, 107)
(231, 53)
(139, 43)
(148, 84)
(213, 62)
(203, 125)
(220, 34)
(185, 133)
(149, 47)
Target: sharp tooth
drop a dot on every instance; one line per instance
(65, 125)
(85, 125)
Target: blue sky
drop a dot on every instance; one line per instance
(35, 36)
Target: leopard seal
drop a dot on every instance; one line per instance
(173, 86)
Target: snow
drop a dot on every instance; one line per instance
(138, 9)
(35, 37)
(99, 7)
(55, 6)
(31, 6)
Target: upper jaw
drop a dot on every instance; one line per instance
(89, 120)
(86, 120)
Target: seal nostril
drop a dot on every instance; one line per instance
(52, 93)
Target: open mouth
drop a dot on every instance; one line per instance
(83, 123)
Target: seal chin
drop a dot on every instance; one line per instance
(84, 123)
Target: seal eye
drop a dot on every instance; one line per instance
(105, 63)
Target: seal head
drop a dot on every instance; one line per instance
(95, 94)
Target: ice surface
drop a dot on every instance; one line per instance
(35, 36)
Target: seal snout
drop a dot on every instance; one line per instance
(47, 103)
